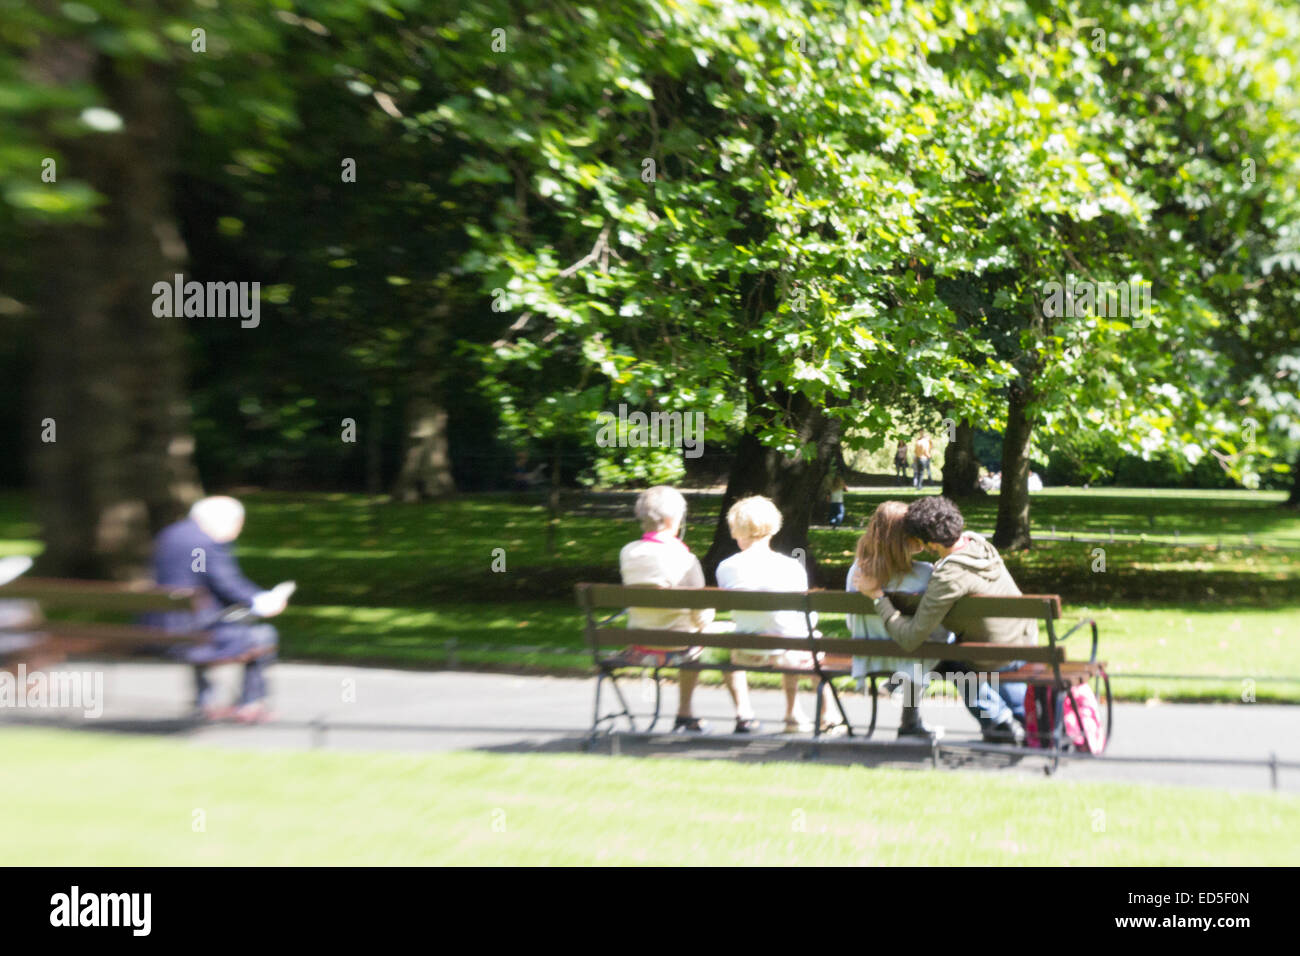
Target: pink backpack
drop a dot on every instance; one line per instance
(1086, 710)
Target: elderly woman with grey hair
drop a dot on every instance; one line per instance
(660, 558)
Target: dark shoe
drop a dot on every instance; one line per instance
(912, 725)
(690, 725)
(1007, 733)
(751, 726)
(834, 728)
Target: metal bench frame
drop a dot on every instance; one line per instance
(1047, 608)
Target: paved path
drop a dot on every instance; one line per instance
(343, 707)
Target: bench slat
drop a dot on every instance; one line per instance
(1042, 607)
(60, 632)
(1036, 606)
(621, 637)
(721, 599)
(100, 595)
(1074, 672)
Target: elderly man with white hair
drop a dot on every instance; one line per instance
(195, 552)
(660, 558)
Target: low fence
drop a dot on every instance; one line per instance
(1122, 536)
(452, 647)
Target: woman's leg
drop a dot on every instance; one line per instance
(686, 681)
(738, 686)
(790, 684)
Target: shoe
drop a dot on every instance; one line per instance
(748, 726)
(1009, 732)
(253, 714)
(835, 728)
(690, 725)
(796, 725)
(912, 725)
(214, 713)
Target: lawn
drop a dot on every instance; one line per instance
(163, 803)
(395, 583)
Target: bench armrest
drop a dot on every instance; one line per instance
(1092, 657)
(613, 617)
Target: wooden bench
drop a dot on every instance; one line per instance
(1043, 666)
(40, 635)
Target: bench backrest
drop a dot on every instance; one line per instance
(101, 595)
(97, 597)
(1044, 607)
(1041, 607)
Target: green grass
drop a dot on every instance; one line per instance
(393, 583)
(1196, 515)
(324, 808)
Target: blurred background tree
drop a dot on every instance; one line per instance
(477, 225)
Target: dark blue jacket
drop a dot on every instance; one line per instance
(186, 557)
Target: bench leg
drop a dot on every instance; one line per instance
(871, 729)
(658, 699)
(839, 705)
(622, 701)
(1102, 683)
(597, 718)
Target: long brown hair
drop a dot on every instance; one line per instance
(882, 549)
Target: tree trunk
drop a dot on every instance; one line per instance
(109, 373)
(375, 450)
(1294, 500)
(426, 465)
(961, 469)
(795, 485)
(553, 503)
(1012, 532)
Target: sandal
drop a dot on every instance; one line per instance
(834, 729)
(794, 725)
(690, 725)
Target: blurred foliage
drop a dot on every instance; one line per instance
(706, 207)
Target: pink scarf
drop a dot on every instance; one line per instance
(663, 537)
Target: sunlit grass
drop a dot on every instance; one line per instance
(397, 583)
(160, 803)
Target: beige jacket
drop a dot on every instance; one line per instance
(663, 566)
(975, 569)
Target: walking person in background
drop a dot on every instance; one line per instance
(900, 462)
(921, 450)
(838, 487)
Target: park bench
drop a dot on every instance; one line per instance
(1044, 666)
(44, 621)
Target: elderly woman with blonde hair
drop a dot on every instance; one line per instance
(753, 521)
(661, 559)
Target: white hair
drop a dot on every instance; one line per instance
(220, 517)
(658, 506)
(754, 517)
